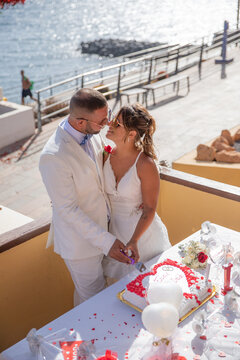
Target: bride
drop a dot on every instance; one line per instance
(132, 185)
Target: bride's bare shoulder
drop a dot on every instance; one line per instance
(146, 165)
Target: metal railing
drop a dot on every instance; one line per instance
(143, 67)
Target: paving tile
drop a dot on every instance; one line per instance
(182, 123)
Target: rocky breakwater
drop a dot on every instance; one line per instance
(226, 148)
(114, 47)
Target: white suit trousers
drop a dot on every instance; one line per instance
(87, 275)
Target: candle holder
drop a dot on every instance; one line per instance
(227, 277)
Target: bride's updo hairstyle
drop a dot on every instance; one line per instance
(136, 117)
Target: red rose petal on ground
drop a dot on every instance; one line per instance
(125, 323)
(49, 328)
(133, 314)
(225, 336)
(93, 329)
(203, 337)
(71, 329)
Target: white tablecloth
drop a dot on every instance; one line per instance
(118, 327)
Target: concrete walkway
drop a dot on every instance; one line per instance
(182, 123)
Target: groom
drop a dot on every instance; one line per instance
(71, 168)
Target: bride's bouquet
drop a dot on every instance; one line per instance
(194, 254)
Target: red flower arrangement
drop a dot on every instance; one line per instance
(194, 254)
(7, 3)
(202, 257)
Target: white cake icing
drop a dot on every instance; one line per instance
(194, 286)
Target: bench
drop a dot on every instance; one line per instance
(175, 80)
(134, 91)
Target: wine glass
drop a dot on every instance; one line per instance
(207, 233)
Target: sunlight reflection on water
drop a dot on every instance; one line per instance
(42, 36)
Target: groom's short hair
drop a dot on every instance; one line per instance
(88, 99)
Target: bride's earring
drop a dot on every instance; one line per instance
(128, 139)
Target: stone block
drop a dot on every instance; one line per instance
(227, 135)
(205, 153)
(228, 156)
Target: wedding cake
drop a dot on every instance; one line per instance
(194, 286)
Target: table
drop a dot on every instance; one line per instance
(115, 326)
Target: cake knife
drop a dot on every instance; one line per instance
(138, 265)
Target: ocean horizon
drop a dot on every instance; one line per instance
(42, 37)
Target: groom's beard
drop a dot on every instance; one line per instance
(90, 130)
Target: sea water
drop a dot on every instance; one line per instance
(42, 37)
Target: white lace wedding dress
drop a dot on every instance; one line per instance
(125, 213)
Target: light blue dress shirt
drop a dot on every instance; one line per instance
(78, 137)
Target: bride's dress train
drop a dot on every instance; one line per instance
(125, 200)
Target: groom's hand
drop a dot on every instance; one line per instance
(115, 252)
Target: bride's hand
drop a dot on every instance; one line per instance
(132, 246)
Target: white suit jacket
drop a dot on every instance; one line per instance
(76, 189)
